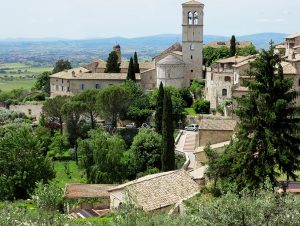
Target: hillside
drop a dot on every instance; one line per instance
(47, 51)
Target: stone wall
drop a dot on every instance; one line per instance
(30, 110)
(213, 136)
(148, 79)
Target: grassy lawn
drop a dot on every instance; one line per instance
(75, 174)
(190, 111)
(16, 84)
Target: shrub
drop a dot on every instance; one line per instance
(201, 106)
(48, 197)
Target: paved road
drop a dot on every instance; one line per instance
(188, 143)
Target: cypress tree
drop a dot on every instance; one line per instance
(168, 143)
(232, 46)
(112, 65)
(159, 109)
(136, 63)
(131, 73)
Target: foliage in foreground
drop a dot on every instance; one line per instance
(264, 208)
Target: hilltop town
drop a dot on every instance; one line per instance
(200, 134)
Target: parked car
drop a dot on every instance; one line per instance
(192, 127)
(145, 126)
(131, 125)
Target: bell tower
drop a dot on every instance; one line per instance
(192, 40)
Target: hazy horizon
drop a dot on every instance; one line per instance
(89, 19)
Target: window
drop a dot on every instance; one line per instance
(227, 79)
(190, 18)
(56, 87)
(68, 89)
(196, 20)
(62, 81)
(192, 47)
(29, 111)
(299, 82)
(191, 57)
(192, 71)
(224, 92)
(97, 86)
(82, 86)
(62, 88)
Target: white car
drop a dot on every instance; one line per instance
(131, 125)
(192, 127)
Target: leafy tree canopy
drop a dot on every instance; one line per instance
(61, 65)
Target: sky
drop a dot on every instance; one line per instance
(81, 19)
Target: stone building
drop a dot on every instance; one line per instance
(224, 79)
(177, 66)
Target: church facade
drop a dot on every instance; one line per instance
(177, 66)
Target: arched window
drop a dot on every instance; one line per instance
(190, 18)
(192, 47)
(195, 17)
(224, 92)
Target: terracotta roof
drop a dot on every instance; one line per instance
(292, 186)
(84, 74)
(218, 44)
(193, 2)
(173, 48)
(170, 60)
(288, 68)
(235, 59)
(241, 89)
(293, 36)
(76, 191)
(100, 64)
(160, 190)
(243, 63)
(217, 124)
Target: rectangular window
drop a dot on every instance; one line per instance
(299, 82)
(82, 86)
(227, 79)
(68, 89)
(62, 88)
(62, 81)
(97, 86)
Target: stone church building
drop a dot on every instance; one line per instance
(177, 66)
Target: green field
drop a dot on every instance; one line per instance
(75, 175)
(17, 75)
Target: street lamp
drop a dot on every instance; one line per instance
(179, 123)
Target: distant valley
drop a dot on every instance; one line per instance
(47, 51)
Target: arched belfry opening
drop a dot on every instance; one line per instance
(195, 18)
(190, 18)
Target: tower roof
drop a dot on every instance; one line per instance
(170, 60)
(193, 3)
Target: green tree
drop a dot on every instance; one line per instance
(139, 105)
(53, 110)
(112, 65)
(131, 71)
(44, 135)
(210, 54)
(159, 109)
(22, 164)
(101, 155)
(112, 102)
(247, 50)
(232, 46)
(43, 82)
(146, 148)
(136, 63)
(201, 106)
(89, 98)
(72, 111)
(59, 145)
(267, 138)
(168, 144)
(61, 65)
